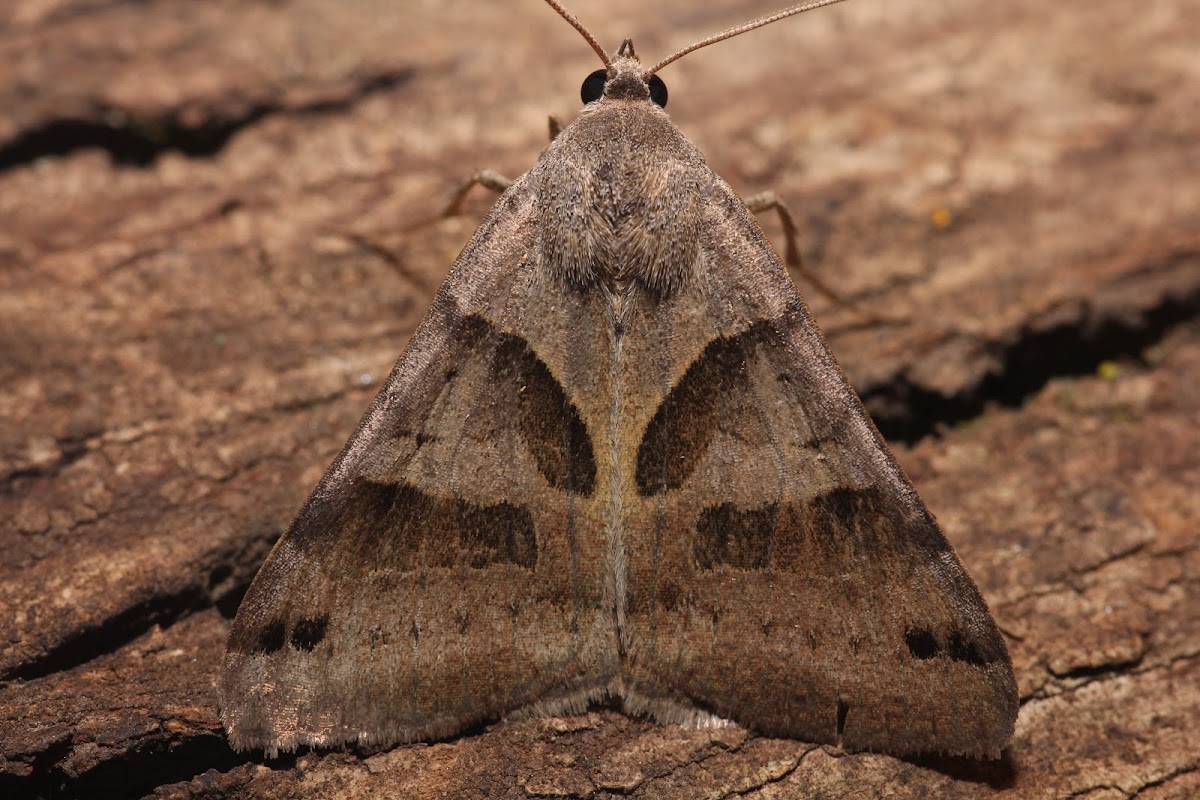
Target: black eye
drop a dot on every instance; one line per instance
(658, 91)
(593, 86)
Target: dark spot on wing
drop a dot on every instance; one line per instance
(963, 649)
(271, 639)
(920, 643)
(710, 391)
(548, 421)
(924, 644)
(309, 632)
(843, 709)
(726, 534)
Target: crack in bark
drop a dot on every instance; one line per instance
(1125, 667)
(133, 139)
(1099, 787)
(145, 765)
(1050, 589)
(1165, 779)
(776, 779)
(1119, 671)
(1034, 358)
(111, 634)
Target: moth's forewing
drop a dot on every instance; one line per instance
(449, 567)
(782, 571)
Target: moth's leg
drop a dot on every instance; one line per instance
(484, 177)
(489, 179)
(769, 201)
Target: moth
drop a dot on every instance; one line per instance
(617, 462)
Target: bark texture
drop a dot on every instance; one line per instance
(210, 257)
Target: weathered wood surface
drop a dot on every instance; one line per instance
(206, 270)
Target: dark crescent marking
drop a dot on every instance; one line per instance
(548, 421)
(679, 433)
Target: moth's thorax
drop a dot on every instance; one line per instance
(619, 194)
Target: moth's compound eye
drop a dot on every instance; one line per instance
(658, 91)
(593, 86)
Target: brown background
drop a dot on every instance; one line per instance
(206, 271)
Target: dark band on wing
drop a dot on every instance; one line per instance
(926, 643)
(839, 527)
(309, 632)
(740, 538)
(405, 529)
(408, 528)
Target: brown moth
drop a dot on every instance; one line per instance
(618, 461)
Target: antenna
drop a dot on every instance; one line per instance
(730, 33)
(716, 37)
(575, 23)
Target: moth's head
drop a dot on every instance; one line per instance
(624, 79)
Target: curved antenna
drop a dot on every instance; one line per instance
(575, 23)
(729, 34)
